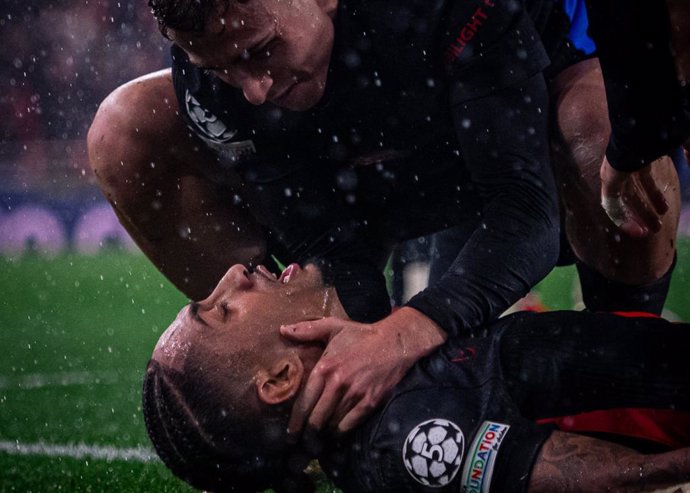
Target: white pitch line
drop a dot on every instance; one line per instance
(61, 379)
(79, 451)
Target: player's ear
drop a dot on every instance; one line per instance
(281, 381)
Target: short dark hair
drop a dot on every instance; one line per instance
(209, 447)
(185, 15)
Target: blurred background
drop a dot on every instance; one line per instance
(59, 60)
(80, 307)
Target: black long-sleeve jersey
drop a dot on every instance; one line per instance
(649, 109)
(435, 113)
(473, 416)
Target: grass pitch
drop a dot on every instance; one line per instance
(75, 335)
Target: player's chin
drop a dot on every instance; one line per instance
(310, 275)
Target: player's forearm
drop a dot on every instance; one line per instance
(490, 274)
(516, 243)
(575, 463)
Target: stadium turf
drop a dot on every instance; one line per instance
(75, 335)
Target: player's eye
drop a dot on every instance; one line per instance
(210, 68)
(262, 51)
(266, 51)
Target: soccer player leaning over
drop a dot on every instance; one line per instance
(479, 414)
(334, 129)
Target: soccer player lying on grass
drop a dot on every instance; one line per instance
(477, 414)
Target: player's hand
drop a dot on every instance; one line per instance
(359, 367)
(633, 201)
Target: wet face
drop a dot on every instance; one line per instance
(273, 50)
(244, 314)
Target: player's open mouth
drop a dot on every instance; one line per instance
(289, 271)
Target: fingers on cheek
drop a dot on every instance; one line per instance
(343, 395)
(325, 397)
(309, 398)
(331, 401)
(338, 416)
(322, 412)
(355, 417)
(359, 403)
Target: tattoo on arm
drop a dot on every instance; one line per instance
(569, 463)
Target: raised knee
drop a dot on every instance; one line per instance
(127, 131)
(581, 115)
(585, 131)
(110, 135)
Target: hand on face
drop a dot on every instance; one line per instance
(633, 201)
(359, 368)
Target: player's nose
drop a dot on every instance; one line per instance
(255, 88)
(236, 278)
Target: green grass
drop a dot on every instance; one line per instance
(101, 316)
(97, 315)
(559, 290)
(41, 475)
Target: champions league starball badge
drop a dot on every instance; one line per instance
(206, 122)
(216, 134)
(433, 451)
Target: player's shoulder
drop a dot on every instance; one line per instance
(422, 436)
(416, 441)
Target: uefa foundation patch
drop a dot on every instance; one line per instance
(432, 453)
(481, 457)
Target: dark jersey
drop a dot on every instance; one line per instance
(649, 109)
(465, 419)
(435, 114)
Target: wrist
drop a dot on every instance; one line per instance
(609, 173)
(417, 332)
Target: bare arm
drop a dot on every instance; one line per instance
(145, 161)
(647, 103)
(570, 463)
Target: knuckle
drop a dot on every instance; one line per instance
(369, 403)
(357, 393)
(327, 369)
(338, 379)
(320, 370)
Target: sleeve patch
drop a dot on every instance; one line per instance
(433, 452)
(481, 457)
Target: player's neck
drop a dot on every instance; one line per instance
(331, 305)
